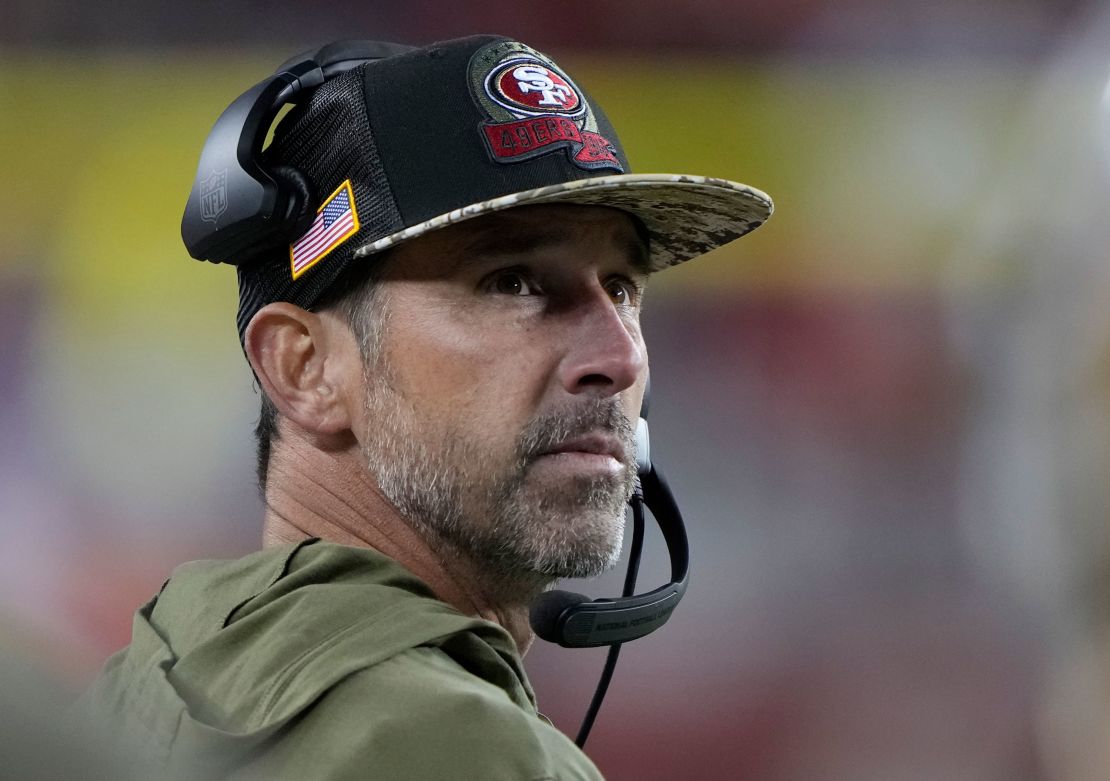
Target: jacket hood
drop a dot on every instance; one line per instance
(231, 651)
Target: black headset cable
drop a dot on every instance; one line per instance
(637, 502)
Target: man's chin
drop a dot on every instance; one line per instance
(572, 541)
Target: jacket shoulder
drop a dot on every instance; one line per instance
(421, 714)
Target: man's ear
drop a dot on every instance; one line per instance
(300, 360)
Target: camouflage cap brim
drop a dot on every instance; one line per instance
(685, 216)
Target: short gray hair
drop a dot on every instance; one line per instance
(357, 298)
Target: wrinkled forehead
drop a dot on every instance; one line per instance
(526, 230)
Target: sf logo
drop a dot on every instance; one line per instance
(530, 78)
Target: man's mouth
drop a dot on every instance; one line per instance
(597, 444)
(591, 452)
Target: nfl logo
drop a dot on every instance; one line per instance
(213, 196)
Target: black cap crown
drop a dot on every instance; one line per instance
(416, 141)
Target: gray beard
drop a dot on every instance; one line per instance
(512, 527)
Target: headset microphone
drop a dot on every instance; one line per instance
(575, 621)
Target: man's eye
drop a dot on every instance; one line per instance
(621, 291)
(514, 283)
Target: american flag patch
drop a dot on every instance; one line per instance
(336, 221)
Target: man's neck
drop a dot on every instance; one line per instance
(328, 493)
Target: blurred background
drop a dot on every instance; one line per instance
(886, 414)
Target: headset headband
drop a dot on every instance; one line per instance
(238, 208)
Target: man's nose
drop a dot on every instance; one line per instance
(605, 351)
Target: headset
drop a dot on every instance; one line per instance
(575, 621)
(240, 209)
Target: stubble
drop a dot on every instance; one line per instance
(494, 507)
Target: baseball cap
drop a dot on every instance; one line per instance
(417, 141)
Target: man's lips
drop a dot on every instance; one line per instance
(590, 444)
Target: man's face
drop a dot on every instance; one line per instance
(500, 407)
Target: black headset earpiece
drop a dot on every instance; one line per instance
(239, 208)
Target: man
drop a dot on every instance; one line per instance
(449, 350)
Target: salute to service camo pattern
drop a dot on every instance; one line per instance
(707, 216)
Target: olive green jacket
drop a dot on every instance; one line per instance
(321, 661)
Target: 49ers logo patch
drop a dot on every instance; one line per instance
(527, 86)
(535, 109)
